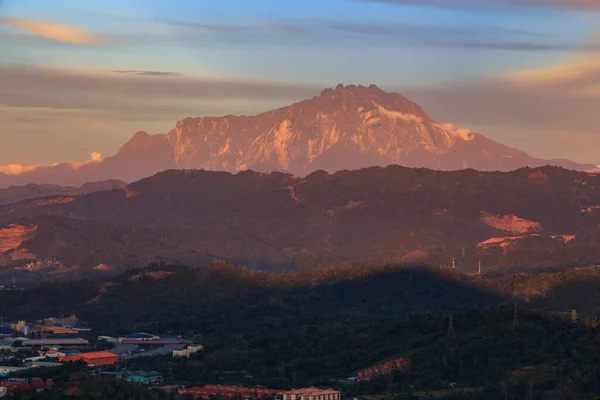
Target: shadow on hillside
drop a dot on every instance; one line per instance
(226, 298)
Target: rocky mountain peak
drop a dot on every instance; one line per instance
(345, 127)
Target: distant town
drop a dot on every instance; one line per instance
(30, 348)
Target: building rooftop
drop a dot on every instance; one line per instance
(313, 391)
(45, 342)
(140, 335)
(229, 391)
(97, 354)
(145, 374)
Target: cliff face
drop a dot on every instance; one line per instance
(347, 127)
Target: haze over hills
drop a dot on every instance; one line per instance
(347, 127)
(529, 219)
(15, 194)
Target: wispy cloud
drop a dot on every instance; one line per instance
(542, 109)
(147, 73)
(491, 4)
(50, 30)
(356, 34)
(158, 91)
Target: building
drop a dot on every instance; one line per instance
(6, 344)
(26, 330)
(93, 358)
(55, 342)
(5, 330)
(154, 342)
(124, 349)
(56, 330)
(43, 364)
(205, 392)
(108, 339)
(312, 394)
(142, 377)
(138, 337)
(187, 352)
(12, 387)
(4, 371)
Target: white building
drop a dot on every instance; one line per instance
(312, 394)
(7, 370)
(187, 352)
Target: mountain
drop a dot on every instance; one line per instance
(529, 219)
(347, 127)
(15, 194)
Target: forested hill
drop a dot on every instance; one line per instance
(222, 296)
(332, 322)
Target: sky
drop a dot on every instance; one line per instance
(82, 76)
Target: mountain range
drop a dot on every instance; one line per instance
(346, 127)
(529, 219)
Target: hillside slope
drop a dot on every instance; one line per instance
(527, 219)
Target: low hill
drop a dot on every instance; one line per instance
(288, 330)
(223, 297)
(525, 220)
(15, 194)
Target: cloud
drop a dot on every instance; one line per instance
(50, 30)
(19, 169)
(549, 111)
(463, 133)
(148, 73)
(316, 32)
(148, 91)
(571, 76)
(494, 4)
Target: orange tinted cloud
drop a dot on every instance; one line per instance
(19, 169)
(50, 30)
(572, 70)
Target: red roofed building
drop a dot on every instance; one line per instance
(93, 358)
(37, 383)
(312, 394)
(12, 387)
(204, 392)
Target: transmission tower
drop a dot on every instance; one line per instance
(479, 268)
(515, 316)
(451, 333)
(453, 263)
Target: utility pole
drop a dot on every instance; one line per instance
(530, 390)
(479, 268)
(453, 263)
(451, 333)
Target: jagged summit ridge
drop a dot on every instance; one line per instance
(344, 127)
